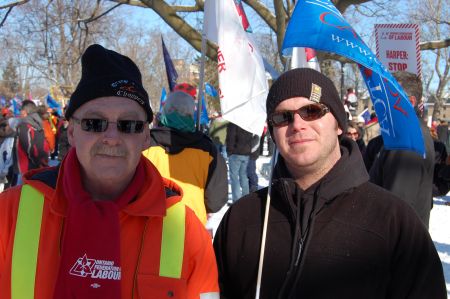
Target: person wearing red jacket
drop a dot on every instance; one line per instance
(103, 224)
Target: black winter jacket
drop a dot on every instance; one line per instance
(408, 175)
(341, 238)
(238, 141)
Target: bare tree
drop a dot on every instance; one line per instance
(275, 17)
(47, 40)
(434, 16)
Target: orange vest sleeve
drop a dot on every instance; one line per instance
(203, 279)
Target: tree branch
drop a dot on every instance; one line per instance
(11, 5)
(433, 45)
(94, 18)
(5, 17)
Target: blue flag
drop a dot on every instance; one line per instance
(204, 119)
(171, 72)
(162, 100)
(52, 103)
(210, 90)
(365, 115)
(2, 101)
(15, 106)
(319, 25)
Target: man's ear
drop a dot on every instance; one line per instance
(70, 131)
(146, 143)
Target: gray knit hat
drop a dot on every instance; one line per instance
(307, 83)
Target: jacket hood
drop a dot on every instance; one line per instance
(34, 120)
(174, 141)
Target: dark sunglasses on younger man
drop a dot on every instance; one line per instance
(98, 125)
(309, 113)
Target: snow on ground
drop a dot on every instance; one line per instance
(439, 219)
(440, 233)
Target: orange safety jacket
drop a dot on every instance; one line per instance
(157, 259)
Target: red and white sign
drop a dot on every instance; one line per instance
(398, 47)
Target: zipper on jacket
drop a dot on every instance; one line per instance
(138, 262)
(300, 246)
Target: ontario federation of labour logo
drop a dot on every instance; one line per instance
(100, 269)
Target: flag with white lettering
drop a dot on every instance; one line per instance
(319, 25)
(243, 83)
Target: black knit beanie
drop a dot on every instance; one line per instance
(307, 83)
(107, 73)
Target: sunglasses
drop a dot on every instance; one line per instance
(98, 125)
(309, 113)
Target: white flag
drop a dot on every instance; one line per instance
(243, 84)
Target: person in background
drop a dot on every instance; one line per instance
(404, 172)
(188, 157)
(7, 140)
(32, 149)
(56, 122)
(49, 128)
(443, 133)
(361, 124)
(251, 166)
(354, 133)
(330, 232)
(62, 138)
(350, 99)
(372, 128)
(441, 175)
(239, 148)
(218, 133)
(372, 151)
(104, 224)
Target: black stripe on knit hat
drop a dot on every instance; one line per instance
(307, 83)
(106, 73)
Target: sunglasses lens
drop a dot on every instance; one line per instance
(94, 125)
(311, 112)
(130, 126)
(283, 118)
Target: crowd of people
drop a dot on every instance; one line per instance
(29, 140)
(123, 213)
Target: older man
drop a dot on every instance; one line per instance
(330, 233)
(104, 224)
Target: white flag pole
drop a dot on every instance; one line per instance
(202, 74)
(273, 161)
